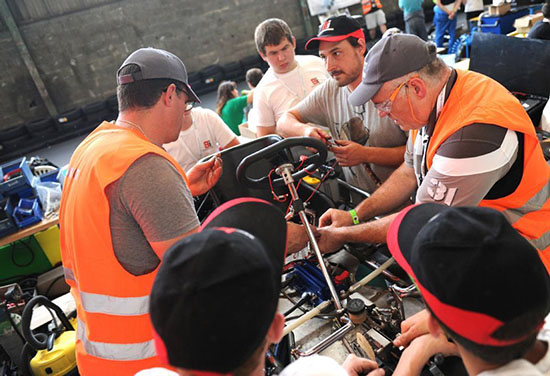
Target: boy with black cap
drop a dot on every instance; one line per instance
(214, 300)
(125, 202)
(367, 147)
(483, 283)
(470, 143)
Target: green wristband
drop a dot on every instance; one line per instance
(354, 216)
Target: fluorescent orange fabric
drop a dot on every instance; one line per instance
(476, 98)
(366, 5)
(99, 284)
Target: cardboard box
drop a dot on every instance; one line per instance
(499, 10)
(525, 23)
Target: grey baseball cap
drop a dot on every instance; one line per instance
(155, 64)
(392, 57)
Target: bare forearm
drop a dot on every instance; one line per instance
(391, 157)
(390, 195)
(290, 126)
(368, 232)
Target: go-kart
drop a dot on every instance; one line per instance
(328, 301)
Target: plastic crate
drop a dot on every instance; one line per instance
(501, 24)
(7, 227)
(13, 180)
(27, 212)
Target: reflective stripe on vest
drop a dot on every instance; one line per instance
(112, 305)
(115, 351)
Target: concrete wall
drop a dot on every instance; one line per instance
(77, 45)
(78, 48)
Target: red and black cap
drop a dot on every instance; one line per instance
(335, 29)
(473, 269)
(216, 292)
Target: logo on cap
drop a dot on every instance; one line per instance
(326, 27)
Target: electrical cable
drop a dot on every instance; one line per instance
(29, 248)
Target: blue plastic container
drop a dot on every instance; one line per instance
(502, 24)
(27, 212)
(7, 227)
(16, 177)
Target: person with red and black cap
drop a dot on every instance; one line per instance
(214, 300)
(471, 143)
(483, 284)
(125, 202)
(367, 147)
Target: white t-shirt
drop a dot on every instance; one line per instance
(277, 93)
(514, 368)
(473, 5)
(206, 136)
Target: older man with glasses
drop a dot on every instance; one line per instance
(471, 143)
(125, 202)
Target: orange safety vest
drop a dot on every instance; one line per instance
(114, 332)
(366, 5)
(476, 98)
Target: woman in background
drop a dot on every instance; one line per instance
(230, 106)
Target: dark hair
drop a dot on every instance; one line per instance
(253, 76)
(518, 327)
(546, 10)
(270, 33)
(144, 93)
(355, 43)
(225, 93)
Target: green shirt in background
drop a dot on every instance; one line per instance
(233, 113)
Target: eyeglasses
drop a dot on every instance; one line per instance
(387, 105)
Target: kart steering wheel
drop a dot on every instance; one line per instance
(314, 161)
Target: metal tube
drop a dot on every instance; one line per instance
(314, 312)
(337, 335)
(371, 276)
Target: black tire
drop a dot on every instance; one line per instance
(93, 108)
(253, 61)
(70, 115)
(41, 127)
(13, 132)
(15, 143)
(71, 125)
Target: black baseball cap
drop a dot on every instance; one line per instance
(335, 29)
(474, 270)
(216, 292)
(391, 57)
(156, 64)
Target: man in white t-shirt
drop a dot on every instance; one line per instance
(289, 78)
(203, 133)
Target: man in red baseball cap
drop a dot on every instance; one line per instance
(367, 147)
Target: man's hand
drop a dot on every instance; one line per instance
(204, 176)
(317, 133)
(336, 218)
(413, 327)
(329, 239)
(355, 366)
(349, 153)
(420, 351)
(296, 238)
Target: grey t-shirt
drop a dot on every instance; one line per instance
(328, 106)
(149, 203)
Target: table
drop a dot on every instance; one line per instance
(27, 231)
